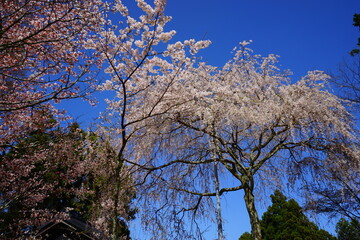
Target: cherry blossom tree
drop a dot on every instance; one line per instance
(36, 175)
(143, 68)
(256, 121)
(43, 58)
(72, 174)
(103, 175)
(332, 185)
(170, 117)
(49, 47)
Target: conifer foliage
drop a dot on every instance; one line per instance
(285, 219)
(348, 230)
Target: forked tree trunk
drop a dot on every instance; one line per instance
(254, 218)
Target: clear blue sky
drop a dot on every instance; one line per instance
(307, 34)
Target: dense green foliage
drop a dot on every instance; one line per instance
(70, 188)
(348, 230)
(245, 236)
(285, 220)
(56, 174)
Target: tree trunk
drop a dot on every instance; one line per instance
(254, 218)
(215, 152)
(114, 223)
(218, 204)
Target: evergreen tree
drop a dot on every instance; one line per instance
(285, 220)
(56, 171)
(71, 188)
(246, 236)
(348, 230)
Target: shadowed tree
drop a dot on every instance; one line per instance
(43, 60)
(285, 219)
(333, 185)
(45, 187)
(348, 230)
(72, 183)
(245, 236)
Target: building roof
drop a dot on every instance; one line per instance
(69, 229)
